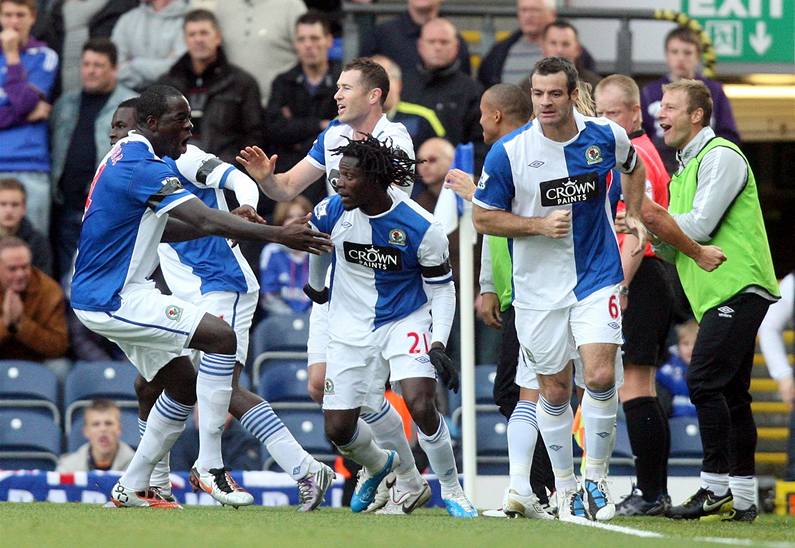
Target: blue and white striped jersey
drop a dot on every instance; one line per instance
(123, 223)
(529, 175)
(380, 263)
(334, 136)
(199, 266)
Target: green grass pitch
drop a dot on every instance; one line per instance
(83, 525)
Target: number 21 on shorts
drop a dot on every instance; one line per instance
(414, 341)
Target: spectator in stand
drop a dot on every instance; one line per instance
(149, 39)
(672, 376)
(398, 38)
(437, 159)
(421, 122)
(771, 340)
(71, 23)
(511, 60)
(14, 223)
(302, 101)
(560, 39)
(226, 109)
(104, 450)
(682, 54)
(27, 73)
(79, 137)
(258, 36)
(284, 271)
(440, 85)
(32, 320)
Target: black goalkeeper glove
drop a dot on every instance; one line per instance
(444, 368)
(319, 297)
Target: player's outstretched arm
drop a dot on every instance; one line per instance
(212, 222)
(179, 231)
(660, 222)
(503, 223)
(281, 187)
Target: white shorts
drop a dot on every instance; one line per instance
(151, 328)
(236, 309)
(356, 375)
(550, 338)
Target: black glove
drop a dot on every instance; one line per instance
(319, 297)
(444, 368)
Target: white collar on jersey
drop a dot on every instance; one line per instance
(579, 119)
(134, 136)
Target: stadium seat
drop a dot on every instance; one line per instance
(129, 429)
(283, 384)
(484, 383)
(492, 436)
(86, 381)
(28, 440)
(685, 438)
(277, 338)
(29, 385)
(307, 428)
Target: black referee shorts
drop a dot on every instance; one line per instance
(648, 316)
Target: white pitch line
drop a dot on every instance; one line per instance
(619, 529)
(651, 534)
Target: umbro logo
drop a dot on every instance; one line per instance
(536, 163)
(555, 447)
(603, 435)
(725, 312)
(346, 224)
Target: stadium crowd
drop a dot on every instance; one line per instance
(264, 73)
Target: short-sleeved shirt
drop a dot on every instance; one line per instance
(380, 263)
(530, 175)
(124, 220)
(199, 266)
(337, 134)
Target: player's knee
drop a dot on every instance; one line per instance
(600, 378)
(423, 410)
(146, 391)
(339, 432)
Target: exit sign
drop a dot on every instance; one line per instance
(747, 31)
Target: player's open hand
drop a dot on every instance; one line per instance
(444, 368)
(257, 163)
(461, 183)
(710, 257)
(620, 223)
(300, 236)
(249, 214)
(557, 224)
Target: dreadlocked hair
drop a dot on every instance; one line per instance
(380, 161)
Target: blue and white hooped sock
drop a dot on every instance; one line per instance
(213, 392)
(522, 436)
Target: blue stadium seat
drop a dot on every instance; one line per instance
(283, 384)
(29, 385)
(281, 332)
(129, 429)
(28, 440)
(307, 428)
(484, 383)
(86, 381)
(277, 338)
(492, 436)
(685, 438)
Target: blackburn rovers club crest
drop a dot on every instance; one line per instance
(593, 155)
(397, 237)
(173, 312)
(328, 387)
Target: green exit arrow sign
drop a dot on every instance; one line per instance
(748, 31)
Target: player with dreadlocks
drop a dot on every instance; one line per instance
(389, 258)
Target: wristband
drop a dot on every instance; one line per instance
(623, 290)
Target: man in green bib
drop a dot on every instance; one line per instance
(713, 198)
